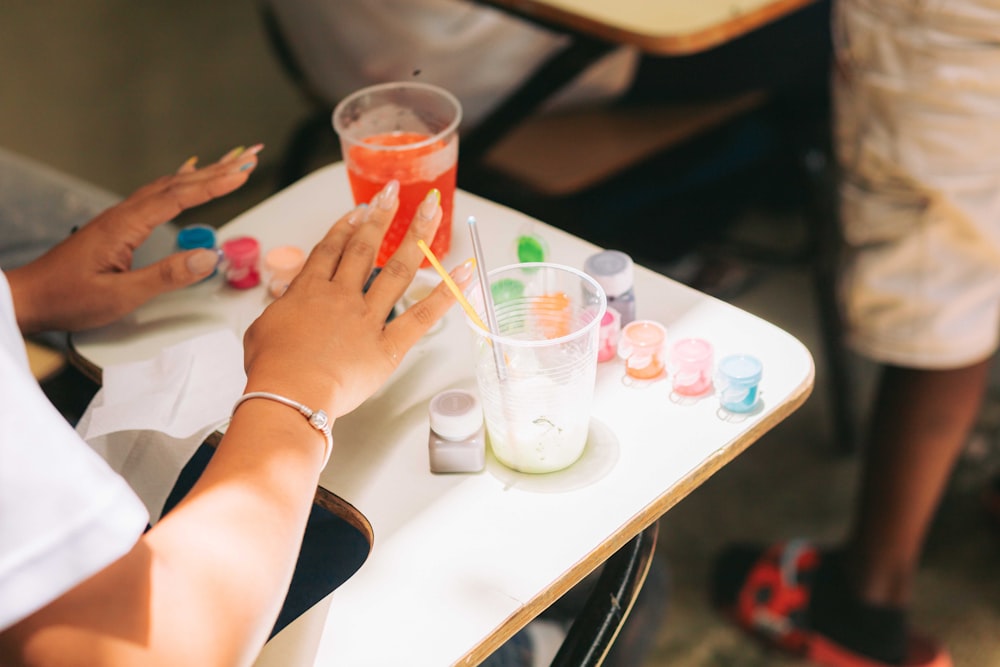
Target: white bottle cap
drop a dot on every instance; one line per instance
(613, 271)
(455, 414)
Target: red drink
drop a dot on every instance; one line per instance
(418, 170)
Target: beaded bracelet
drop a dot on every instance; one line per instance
(318, 419)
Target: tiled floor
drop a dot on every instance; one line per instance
(118, 92)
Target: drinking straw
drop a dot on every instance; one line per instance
(484, 285)
(470, 311)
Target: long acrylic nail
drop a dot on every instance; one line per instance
(463, 272)
(202, 261)
(253, 150)
(231, 154)
(386, 199)
(190, 162)
(430, 204)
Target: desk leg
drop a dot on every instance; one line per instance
(596, 626)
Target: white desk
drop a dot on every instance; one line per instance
(459, 563)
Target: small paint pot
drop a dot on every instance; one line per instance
(642, 346)
(736, 381)
(609, 335)
(690, 366)
(457, 438)
(242, 262)
(197, 236)
(281, 265)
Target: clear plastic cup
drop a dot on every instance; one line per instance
(536, 376)
(406, 131)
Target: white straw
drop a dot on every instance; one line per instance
(491, 316)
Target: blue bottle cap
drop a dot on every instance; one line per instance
(196, 236)
(741, 369)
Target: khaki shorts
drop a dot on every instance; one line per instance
(917, 130)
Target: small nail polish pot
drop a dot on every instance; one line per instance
(609, 335)
(642, 346)
(197, 236)
(282, 264)
(242, 262)
(690, 366)
(736, 381)
(614, 272)
(457, 439)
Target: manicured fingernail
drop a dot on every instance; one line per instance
(253, 150)
(463, 272)
(386, 199)
(430, 205)
(190, 162)
(358, 214)
(202, 261)
(244, 167)
(231, 154)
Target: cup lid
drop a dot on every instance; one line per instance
(196, 236)
(455, 414)
(741, 368)
(612, 269)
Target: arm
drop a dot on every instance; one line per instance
(205, 584)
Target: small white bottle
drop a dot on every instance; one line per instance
(457, 439)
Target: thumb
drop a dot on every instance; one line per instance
(173, 272)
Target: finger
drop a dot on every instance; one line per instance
(325, 255)
(173, 272)
(189, 165)
(237, 160)
(359, 254)
(166, 198)
(405, 330)
(398, 272)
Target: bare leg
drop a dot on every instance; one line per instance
(921, 422)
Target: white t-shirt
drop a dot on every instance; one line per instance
(64, 514)
(477, 53)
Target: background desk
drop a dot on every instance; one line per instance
(459, 563)
(678, 27)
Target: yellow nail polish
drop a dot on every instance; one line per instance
(430, 204)
(233, 153)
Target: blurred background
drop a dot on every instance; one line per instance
(118, 92)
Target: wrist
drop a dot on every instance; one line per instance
(317, 419)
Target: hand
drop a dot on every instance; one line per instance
(325, 343)
(88, 281)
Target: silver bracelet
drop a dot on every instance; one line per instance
(318, 419)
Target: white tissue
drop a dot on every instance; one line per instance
(150, 416)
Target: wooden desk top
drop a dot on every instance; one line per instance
(677, 27)
(459, 563)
